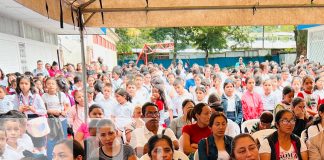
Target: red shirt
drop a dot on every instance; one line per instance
(160, 104)
(196, 133)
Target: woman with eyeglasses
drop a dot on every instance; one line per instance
(283, 144)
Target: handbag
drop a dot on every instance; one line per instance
(38, 127)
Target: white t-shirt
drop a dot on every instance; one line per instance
(284, 155)
(223, 155)
(230, 103)
(123, 115)
(141, 135)
(53, 101)
(269, 101)
(107, 105)
(177, 102)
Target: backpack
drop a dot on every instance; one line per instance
(55, 124)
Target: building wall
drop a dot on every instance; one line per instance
(12, 61)
(315, 44)
(21, 45)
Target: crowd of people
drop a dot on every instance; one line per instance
(158, 112)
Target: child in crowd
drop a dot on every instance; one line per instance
(39, 87)
(76, 113)
(107, 102)
(268, 98)
(182, 95)
(311, 99)
(296, 84)
(159, 98)
(32, 105)
(5, 101)
(200, 95)
(288, 95)
(123, 111)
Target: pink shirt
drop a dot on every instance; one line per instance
(84, 128)
(76, 117)
(252, 105)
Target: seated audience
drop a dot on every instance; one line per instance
(217, 145)
(283, 144)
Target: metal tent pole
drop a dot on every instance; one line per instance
(84, 70)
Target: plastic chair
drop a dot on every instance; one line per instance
(181, 143)
(248, 125)
(196, 156)
(176, 155)
(233, 129)
(262, 134)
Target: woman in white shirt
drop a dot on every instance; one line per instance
(283, 144)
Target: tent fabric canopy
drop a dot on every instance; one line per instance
(172, 13)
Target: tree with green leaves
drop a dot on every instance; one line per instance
(214, 39)
(180, 36)
(209, 39)
(301, 42)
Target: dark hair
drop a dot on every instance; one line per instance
(217, 106)
(286, 90)
(2, 74)
(95, 106)
(98, 86)
(316, 79)
(214, 116)
(156, 138)
(147, 104)
(213, 98)
(77, 79)
(281, 113)
(307, 77)
(74, 147)
(228, 81)
(201, 88)
(162, 95)
(196, 110)
(105, 122)
(247, 79)
(122, 92)
(32, 86)
(318, 120)
(62, 84)
(296, 101)
(184, 103)
(236, 138)
(266, 117)
(258, 80)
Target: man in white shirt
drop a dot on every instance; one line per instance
(140, 136)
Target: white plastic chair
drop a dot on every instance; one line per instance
(233, 129)
(196, 156)
(303, 136)
(248, 124)
(181, 143)
(262, 134)
(176, 155)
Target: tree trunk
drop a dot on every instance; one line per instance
(301, 43)
(175, 50)
(206, 58)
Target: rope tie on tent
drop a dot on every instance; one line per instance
(61, 14)
(254, 10)
(72, 14)
(46, 7)
(102, 15)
